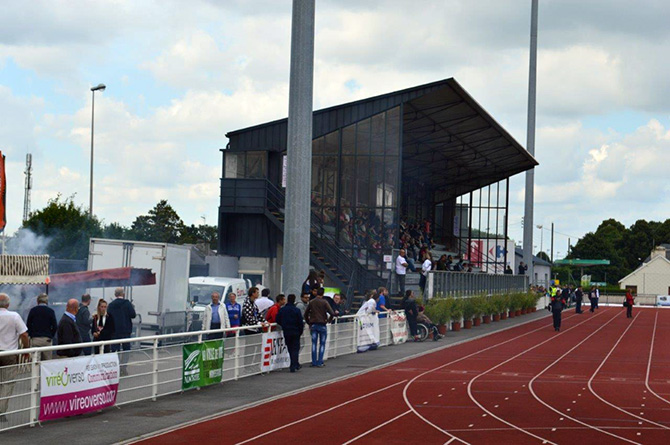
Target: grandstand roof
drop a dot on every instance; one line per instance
(447, 136)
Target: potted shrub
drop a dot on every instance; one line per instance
(469, 311)
(455, 306)
(479, 308)
(498, 305)
(439, 314)
(505, 299)
(488, 308)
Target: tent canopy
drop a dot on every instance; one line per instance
(122, 276)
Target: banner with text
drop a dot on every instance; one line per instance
(275, 352)
(203, 364)
(398, 322)
(73, 386)
(368, 332)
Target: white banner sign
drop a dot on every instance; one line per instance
(368, 332)
(73, 386)
(398, 327)
(275, 352)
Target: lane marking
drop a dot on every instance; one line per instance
(651, 353)
(376, 428)
(470, 392)
(332, 408)
(530, 386)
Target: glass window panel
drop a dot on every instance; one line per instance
(318, 145)
(349, 139)
(346, 226)
(377, 134)
(377, 182)
(329, 220)
(362, 181)
(391, 171)
(332, 143)
(256, 164)
(234, 165)
(348, 192)
(363, 137)
(317, 180)
(393, 131)
(329, 172)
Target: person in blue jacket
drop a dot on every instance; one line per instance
(290, 319)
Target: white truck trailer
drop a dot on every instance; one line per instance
(162, 308)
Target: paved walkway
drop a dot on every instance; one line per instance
(130, 421)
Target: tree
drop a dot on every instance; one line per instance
(117, 231)
(66, 227)
(162, 224)
(200, 234)
(544, 256)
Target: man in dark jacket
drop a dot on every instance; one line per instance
(556, 307)
(84, 321)
(123, 312)
(579, 296)
(68, 333)
(318, 314)
(42, 325)
(289, 318)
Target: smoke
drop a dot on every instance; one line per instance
(27, 242)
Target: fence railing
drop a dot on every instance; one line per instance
(457, 284)
(154, 364)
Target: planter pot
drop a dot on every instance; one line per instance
(477, 321)
(523, 311)
(533, 309)
(496, 317)
(456, 326)
(518, 312)
(442, 329)
(503, 316)
(467, 324)
(487, 319)
(512, 314)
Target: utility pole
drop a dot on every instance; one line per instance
(540, 226)
(530, 144)
(552, 242)
(28, 187)
(299, 148)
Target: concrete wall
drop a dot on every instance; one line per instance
(653, 278)
(270, 267)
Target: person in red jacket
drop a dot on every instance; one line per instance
(271, 315)
(629, 304)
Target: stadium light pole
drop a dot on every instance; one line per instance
(530, 145)
(100, 87)
(299, 148)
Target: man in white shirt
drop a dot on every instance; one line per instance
(425, 268)
(12, 330)
(215, 317)
(401, 270)
(370, 306)
(264, 302)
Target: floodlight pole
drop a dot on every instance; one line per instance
(530, 146)
(299, 148)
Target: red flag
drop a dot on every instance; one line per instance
(3, 193)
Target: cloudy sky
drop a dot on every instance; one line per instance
(180, 75)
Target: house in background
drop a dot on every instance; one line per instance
(541, 268)
(653, 275)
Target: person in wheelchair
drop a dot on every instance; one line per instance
(422, 318)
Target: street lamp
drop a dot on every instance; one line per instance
(539, 226)
(100, 87)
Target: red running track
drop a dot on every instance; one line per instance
(603, 379)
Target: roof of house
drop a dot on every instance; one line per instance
(536, 259)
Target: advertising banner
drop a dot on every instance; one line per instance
(73, 386)
(398, 327)
(203, 364)
(275, 352)
(368, 332)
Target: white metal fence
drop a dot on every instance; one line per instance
(457, 284)
(154, 364)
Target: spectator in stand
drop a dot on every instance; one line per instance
(271, 316)
(215, 317)
(411, 312)
(264, 302)
(426, 267)
(312, 282)
(508, 270)
(442, 263)
(401, 265)
(102, 326)
(383, 305)
(68, 332)
(317, 315)
(42, 325)
(84, 322)
(337, 305)
(343, 305)
(292, 324)
(370, 305)
(12, 331)
(322, 278)
(123, 313)
(250, 314)
(304, 301)
(234, 311)
(522, 268)
(423, 319)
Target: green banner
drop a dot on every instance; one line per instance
(202, 364)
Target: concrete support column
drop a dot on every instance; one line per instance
(299, 148)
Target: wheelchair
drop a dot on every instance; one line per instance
(423, 332)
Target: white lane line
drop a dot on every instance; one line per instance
(530, 386)
(332, 408)
(651, 353)
(404, 392)
(377, 427)
(472, 397)
(590, 382)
